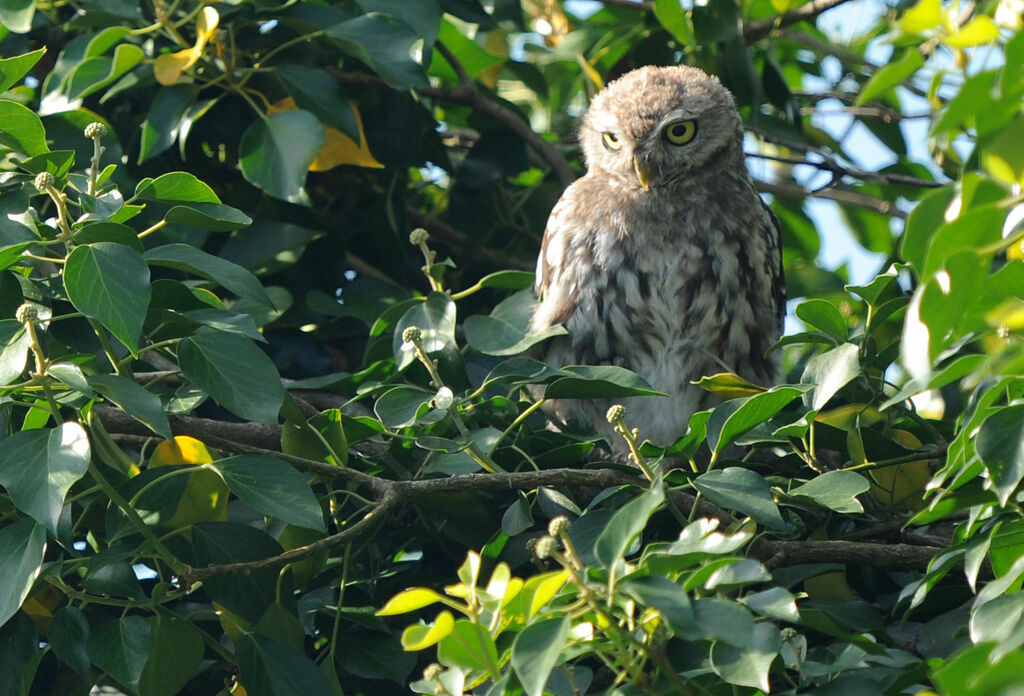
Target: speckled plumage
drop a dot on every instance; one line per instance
(675, 281)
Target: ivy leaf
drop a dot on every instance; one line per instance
(238, 375)
(109, 282)
(383, 43)
(135, 400)
(537, 650)
(22, 545)
(273, 488)
(277, 150)
(38, 467)
(744, 491)
(188, 258)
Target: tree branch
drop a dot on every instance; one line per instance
(754, 31)
(777, 554)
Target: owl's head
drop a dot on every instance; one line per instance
(655, 124)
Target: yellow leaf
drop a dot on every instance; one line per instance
(41, 606)
(417, 637)
(205, 498)
(728, 385)
(181, 450)
(1004, 156)
(495, 42)
(828, 586)
(925, 15)
(902, 487)
(980, 30)
(591, 73)
(234, 625)
(844, 417)
(338, 148)
(409, 600)
(169, 66)
(1009, 314)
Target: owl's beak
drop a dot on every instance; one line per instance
(642, 176)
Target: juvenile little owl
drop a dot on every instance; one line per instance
(662, 259)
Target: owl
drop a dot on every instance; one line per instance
(663, 258)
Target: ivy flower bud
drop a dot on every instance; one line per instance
(432, 671)
(544, 547)
(616, 413)
(44, 180)
(558, 526)
(26, 313)
(95, 130)
(418, 236)
(787, 634)
(412, 334)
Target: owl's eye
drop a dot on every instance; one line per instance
(611, 141)
(681, 132)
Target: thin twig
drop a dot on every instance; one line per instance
(755, 31)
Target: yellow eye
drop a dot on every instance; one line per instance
(681, 132)
(610, 141)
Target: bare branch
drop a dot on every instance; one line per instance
(777, 554)
(839, 194)
(755, 31)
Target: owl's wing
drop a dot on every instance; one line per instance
(775, 272)
(550, 284)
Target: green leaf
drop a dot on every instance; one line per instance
(890, 76)
(774, 603)
(38, 467)
(385, 44)
(824, 316)
(14, 347)
(1000, 444)
(189, 259)
(722, 620)
(737, 416)
(926, 217)
(273, 488)
(208, 216)
(121, 647)
(238, 375)
(624, 526)
(177, 653)
(835, 490)
(598, 381)
(398, 407)
(537, 650)
(22, 545)
(135, 400)
(308, 439)
(506, 331)
(109, 282)
(972, 229)
(22, 131)
(175, 187)
(468, 645)
(749, 665)
(96, 72)
(277, 150)
(744, 491)
(16, 15)
(164, 120)
(829, 372)
(224, 320)
(269, 668)
(317, 92)
(248, 596)
(666, 596)
(109, 232)
(672, 17)
(507, 280)
(435, 318)
(68, 636)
